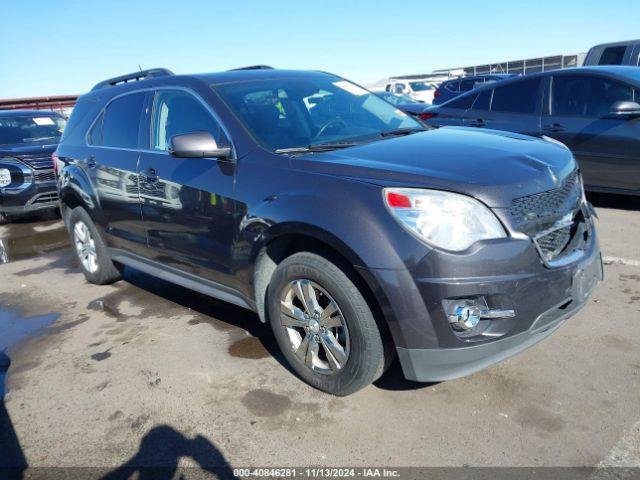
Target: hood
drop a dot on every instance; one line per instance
(17, 150)
(491, 165)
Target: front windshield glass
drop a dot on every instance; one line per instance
(395, 99)
(420, 86)
(299, 112)
(31, 128)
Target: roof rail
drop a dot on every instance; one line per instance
(253, 67)
(141, 75)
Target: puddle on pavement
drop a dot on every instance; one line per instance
(22, 240)
(15, 328)
(249, 347)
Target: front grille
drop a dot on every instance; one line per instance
(47, 176)
(39, 162)
(551, 218)
(547, 207)
(553, 243)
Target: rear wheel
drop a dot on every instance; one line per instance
(323, 325)
(90, 249)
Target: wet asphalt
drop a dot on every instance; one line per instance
(146, 372)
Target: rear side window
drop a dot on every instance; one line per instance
(587, 96)
(176, 112)
(517, 97)
(453, 86)
(119, 124)
(466, 85)
(483, 101)
(612, 55)
(463, 102)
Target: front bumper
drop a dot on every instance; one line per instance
(511, 274)
(30, 198)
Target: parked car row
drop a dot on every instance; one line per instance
(351, 228)
(594, 111)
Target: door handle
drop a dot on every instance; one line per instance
(554, 127)
(478, 122)
(150, 175)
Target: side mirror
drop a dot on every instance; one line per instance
(197, 145)
(625, 110)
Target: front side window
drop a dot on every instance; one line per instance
(583, 96)
(176, 112)
(25, 129)
(298, 112)
(399, 88)
(483, 101)
(463, 102)
(119, 124)
(517, 97)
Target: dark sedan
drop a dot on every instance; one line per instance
(403, 103)
(594, 111)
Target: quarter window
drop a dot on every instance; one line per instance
(177, 112)
(612, 55)
(517, 97)
(120, 122)
(587, 96)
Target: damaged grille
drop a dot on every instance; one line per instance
(553, 243)
(549, 206)
(551, 218)
(47, 176)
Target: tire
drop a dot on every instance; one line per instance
(361, 352)
(4, 218)
(91, 252)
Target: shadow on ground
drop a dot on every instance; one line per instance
(160, 452)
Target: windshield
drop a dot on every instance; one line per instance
(395, 99)
(287, 113)
(31, 128)
(420, 86)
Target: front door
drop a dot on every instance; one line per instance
(607, 149)
(188, 204)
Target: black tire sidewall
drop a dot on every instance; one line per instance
(366, 356)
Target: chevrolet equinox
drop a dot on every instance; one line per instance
(356, 232)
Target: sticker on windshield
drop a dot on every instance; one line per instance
(350, 87)
(43, 121)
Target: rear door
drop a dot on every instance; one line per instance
(112, 166)
(188, 204)
(607, 149)
(515, 107)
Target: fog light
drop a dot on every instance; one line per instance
(465, 317)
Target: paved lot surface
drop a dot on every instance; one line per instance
(146, 372)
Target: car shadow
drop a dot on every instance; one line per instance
(393, 380)
(210, 307)
(160, 452)
(610, 200)
(12, 460)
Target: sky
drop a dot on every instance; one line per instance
(55, 47)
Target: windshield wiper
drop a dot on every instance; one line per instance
(317, 147)
(402, 131)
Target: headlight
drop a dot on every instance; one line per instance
(446, 220)
(5, 177)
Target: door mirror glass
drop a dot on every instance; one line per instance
(625, 109)
(197, 145)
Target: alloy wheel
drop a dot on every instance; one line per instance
(85, 247)
(314, 326)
